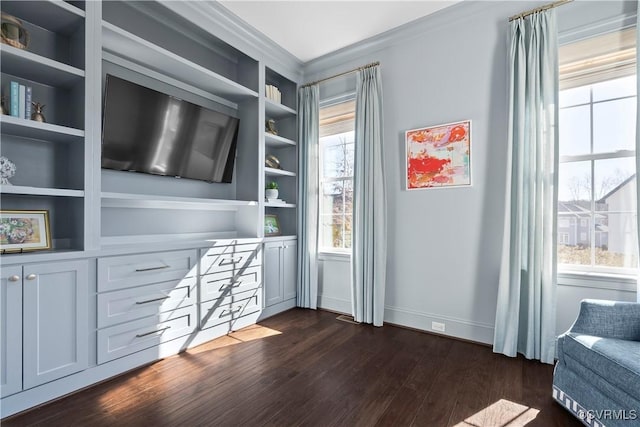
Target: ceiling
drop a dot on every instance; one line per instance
(309, 29)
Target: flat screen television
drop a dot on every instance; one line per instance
(151, 132)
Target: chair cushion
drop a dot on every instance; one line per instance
(616, 361)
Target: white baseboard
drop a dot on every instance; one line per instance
(277, 308)
(458, 328)
(334, 304)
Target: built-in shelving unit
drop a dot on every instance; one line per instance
(284, 147)
(96, 214)
(140, 45)
(49, 156)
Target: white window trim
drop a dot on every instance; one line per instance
(330, 253)
(599, 278)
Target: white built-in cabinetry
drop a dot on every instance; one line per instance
(141, 266)
(45, 323)
(280, 260)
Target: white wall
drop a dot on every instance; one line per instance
(444, 244)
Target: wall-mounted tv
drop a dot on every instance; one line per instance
(147, 131)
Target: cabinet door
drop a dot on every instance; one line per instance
(56, 319)
(10, 330)
(289, 270)
(273, 292)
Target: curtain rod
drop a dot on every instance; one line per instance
(373, 64)
(539, 9)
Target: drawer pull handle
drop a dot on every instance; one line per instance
(152, 300)
(231, 285)
(230, 261)
(162, 267)
(228, 312)
(14, 278)
(153, 332)
(31, 276)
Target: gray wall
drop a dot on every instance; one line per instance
(444, 244)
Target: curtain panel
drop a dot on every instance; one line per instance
(526, 306)
(308, 203)
(369, 241)
(638, 139)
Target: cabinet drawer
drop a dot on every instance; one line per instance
(218, 285)
(226, 310)
(136, 303)
(132, 270)
(230, 258)
(121, 340)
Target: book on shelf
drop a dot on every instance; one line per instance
(21, 102)
(273, 93)
(27, 100)
(15, 99)
(20, 97)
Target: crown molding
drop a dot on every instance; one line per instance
(211, 15)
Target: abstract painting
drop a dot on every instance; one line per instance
(439, 156)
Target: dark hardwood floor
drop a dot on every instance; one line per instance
(307, 368)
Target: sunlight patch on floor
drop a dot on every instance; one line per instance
(250, 333)
(502, 413)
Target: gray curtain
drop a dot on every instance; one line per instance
(308, 135)
(638, 139)
(526, 307)
(369, 240)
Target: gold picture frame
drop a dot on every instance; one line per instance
(272, 225)
(24, 230)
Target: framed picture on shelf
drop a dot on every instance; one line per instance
(271, 225)
(22, 231)
(439, 156)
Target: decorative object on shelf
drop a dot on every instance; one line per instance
(13, 32)
(439, 156)
(271, 190)
(272, 161)
(22, 231)
(271, 225)
(37, 112)
(7, 170)
(3, 107)
(271, 127)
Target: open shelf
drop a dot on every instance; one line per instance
(54, 15)
(15, 126)
(273, 110)
(278, 172)
(279, 205)
(37, 191)
(275, 141)
(143, 201)
(34, 67)
(138, 50)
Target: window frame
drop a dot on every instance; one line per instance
(329, 252)
(606, 273)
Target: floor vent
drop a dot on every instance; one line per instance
(346, 318)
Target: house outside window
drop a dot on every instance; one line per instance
(597, 173)
(337, 142)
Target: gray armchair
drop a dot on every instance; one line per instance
(597, 377)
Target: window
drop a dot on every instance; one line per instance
(563, 238)
(337, 136)
(597, 173)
